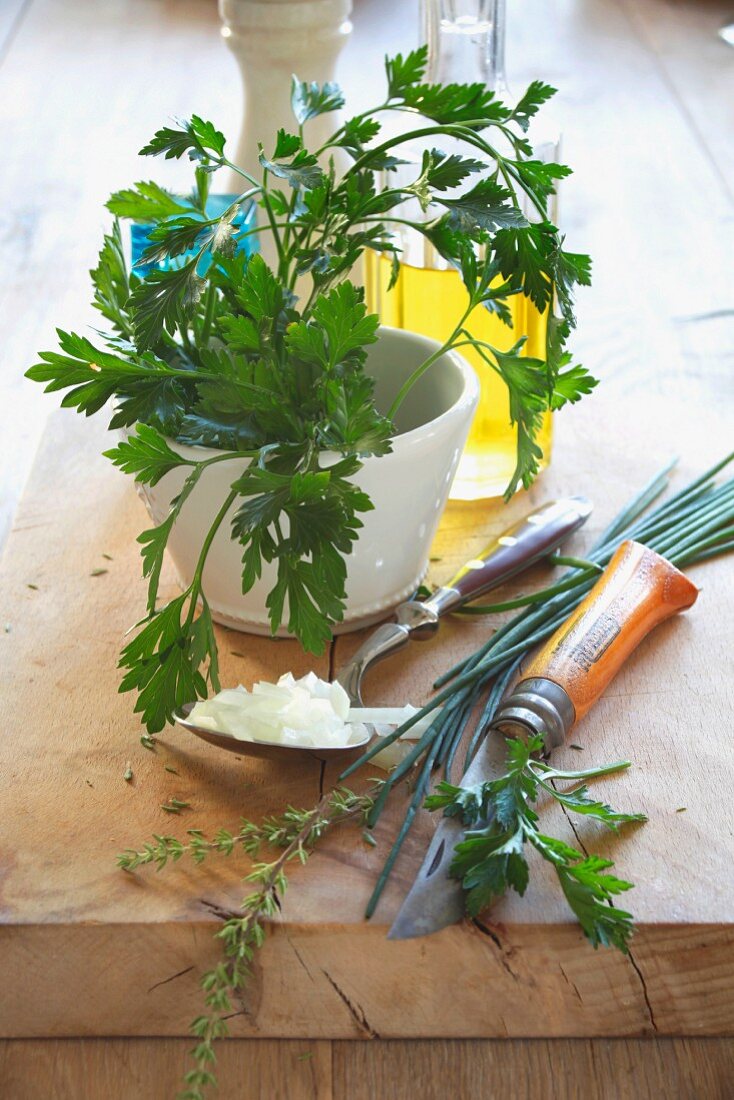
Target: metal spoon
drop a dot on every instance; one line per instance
(270, 750)
(528, 540)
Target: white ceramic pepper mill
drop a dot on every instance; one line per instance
(272, 39)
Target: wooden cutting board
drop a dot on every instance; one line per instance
(90, 950)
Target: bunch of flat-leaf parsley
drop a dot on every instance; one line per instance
(209, 347)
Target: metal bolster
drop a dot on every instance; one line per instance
(538, 706)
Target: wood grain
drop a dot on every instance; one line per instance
(697, 67)
(63, 901)
(147, 1069)
(687, 1069)
(596, 1070)
(88, 951)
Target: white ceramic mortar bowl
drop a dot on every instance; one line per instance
(408, 488)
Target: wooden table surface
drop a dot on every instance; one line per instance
(88, 953)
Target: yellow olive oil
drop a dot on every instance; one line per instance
(431, 301)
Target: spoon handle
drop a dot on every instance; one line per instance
(528, 540)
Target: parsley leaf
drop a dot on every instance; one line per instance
(485, 206)
(340, 327)
(589, 893)
(302, 171)
(358, 132)
(442, 171)
(310, 100)
(200, 139)
(353, 427)
(145, 202)
(320, 508)
(214, 349)
(154, 541)
(539, 176)
(173, 237)
(570, 386)
(260, 293)
(286, 144)
(578, 800)
(501, 820)
(526, 379)
(163, 300)
(473, 105)
(536, 94)
(402, 72)
(111, 283)
(146, 455)
(143, 388)
(524, 255)
(162, 662)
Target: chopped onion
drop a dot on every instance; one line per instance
(306, 713)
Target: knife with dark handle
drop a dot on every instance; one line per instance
(637, 590)
(533, 537)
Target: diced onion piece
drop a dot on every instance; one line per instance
(392, 755)
(393, 716)
(306, 713)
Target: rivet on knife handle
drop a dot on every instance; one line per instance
(638, 590)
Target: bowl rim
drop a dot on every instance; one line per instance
(467, 399)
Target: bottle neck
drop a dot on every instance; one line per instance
(466, 42)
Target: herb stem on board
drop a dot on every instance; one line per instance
(296, 832)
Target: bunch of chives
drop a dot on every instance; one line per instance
(695, 524)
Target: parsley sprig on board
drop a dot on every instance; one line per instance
(209, 347)
(501, 821)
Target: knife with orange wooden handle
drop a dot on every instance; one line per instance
(638, 590)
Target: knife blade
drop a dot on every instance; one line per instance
(637, 590)
(435, 900)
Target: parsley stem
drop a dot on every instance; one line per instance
(282, 265)
(550, 772)
(211, 302)
(195, 588)
(447, 346)
(256, 185)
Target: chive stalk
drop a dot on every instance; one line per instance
(694, 524)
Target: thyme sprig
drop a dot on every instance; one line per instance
(295, 832)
